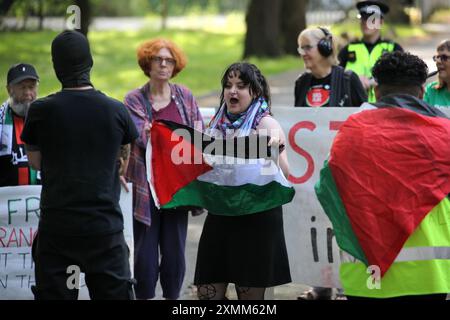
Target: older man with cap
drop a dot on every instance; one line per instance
(75, 136)
(22, 83)
(360, 56)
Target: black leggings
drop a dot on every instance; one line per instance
(217, 291)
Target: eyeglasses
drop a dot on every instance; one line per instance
(159, 60)
(303, 49)
(442, 57)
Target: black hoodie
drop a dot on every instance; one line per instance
(72, 59)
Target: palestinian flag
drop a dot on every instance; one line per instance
(227, 177)
(388, 168)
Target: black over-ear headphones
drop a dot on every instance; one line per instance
(325, 45)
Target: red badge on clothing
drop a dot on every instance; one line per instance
(317, 97)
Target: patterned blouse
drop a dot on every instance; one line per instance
(136, 172)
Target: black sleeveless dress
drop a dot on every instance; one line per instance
(247, 250)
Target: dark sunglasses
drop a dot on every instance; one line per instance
(442, 57)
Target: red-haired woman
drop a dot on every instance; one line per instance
(156, 229)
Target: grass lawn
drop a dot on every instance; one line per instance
(116, 71)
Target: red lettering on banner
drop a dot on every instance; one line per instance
(23, 236)
(13, 238)
(16, 237)
(336, 125)
(2, 236)
(310, 169)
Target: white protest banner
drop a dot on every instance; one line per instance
(313, 252)
(19, 217)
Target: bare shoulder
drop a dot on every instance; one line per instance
(269, 122)
(270, 126)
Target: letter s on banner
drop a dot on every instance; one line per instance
(309, 159)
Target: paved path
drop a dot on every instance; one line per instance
(282, 87)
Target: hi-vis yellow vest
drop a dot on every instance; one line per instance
(365, 61)
(422, 266)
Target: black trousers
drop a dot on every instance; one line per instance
(103, 259)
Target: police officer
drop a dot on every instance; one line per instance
(360, 56)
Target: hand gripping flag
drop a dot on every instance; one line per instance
(226, 176)
(388, 168)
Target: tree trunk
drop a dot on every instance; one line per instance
(25, 21)
(293, 21)
(85, 9)
(5, 5)
(41, 15)
(263, 29)
(164, 13)
(396, 13)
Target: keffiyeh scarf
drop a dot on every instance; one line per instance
(243, 124)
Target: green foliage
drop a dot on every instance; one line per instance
(116, 71)
(186, 7)
(353, 31)
(121, 8)
(22, 8)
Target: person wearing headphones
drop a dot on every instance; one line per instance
(325, 84)
(360, 56)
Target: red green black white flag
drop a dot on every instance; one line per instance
(227, 177)
(388, 168)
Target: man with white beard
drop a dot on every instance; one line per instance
(22, 84)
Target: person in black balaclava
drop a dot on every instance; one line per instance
(74, 136)
(72, 59)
